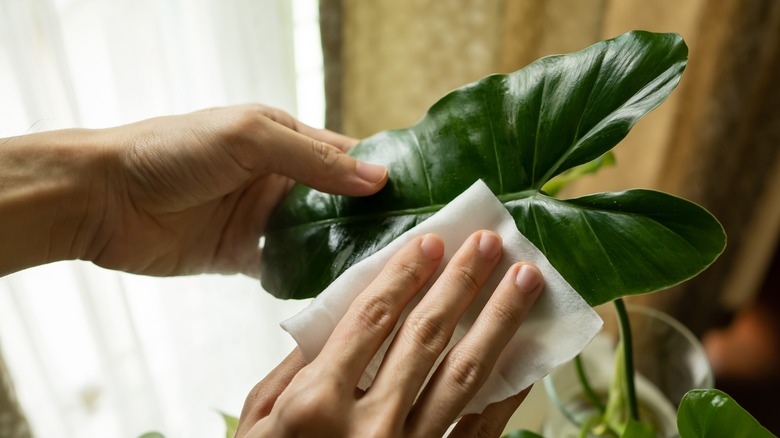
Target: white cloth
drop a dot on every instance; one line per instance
(557, 328)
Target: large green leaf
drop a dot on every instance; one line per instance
(709, 413)
(516, 132)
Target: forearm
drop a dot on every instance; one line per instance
(51, 196)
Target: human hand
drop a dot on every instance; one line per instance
(321, 399)
(192, 193)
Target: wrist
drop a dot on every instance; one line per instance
(52, 197)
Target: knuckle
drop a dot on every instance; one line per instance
(464, 372)
(276, 115)
(303, 409)
(488, 429)
(466, 277)
(407, 273)
(316, 404)
(247, 119)
(374, 314)
(241, 125)
(258, 401)
(259, 108)
(327, 155)
(504, 315)
(426, 334)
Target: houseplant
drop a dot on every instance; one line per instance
(516, 132)
(525, 134)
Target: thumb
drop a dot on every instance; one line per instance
(319, 165)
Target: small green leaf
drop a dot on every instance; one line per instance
(231, 425)
(152, 435)
(710, 413)
(555, 185)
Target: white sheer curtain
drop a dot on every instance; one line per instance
(95, 353)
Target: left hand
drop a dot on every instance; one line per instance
(192, 193)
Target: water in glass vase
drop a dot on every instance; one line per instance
(668, 359)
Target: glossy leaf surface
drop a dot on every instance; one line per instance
(516, 132)
(710, 412)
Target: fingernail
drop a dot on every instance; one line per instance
(527, 279)
(432, 247)
(489, 245)
(369, 172)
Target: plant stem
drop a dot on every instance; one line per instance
(589, 393)
(628, 352)
(586, 428)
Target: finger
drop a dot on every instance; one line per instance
(340, 141)
(468, 364)
(428, 328)
(262, 397)
(317, 164)
(492, 421)
(374, 314)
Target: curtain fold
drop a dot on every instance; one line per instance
(724, 152)
(536, 28)
(400, 57)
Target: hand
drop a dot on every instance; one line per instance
(192, 193)
(321, 399)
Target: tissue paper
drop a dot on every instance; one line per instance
(557, 328)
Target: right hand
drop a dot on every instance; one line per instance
(322, 399)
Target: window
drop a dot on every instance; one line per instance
(96, 353)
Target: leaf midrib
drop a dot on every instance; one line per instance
(504, 198)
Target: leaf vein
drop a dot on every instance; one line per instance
(495, 145)
(603, 250)
(536, 136)
(418, 148)
(565, 155)
(543, 248)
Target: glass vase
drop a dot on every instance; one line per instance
(668, 359)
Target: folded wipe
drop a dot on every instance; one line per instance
(557, 328)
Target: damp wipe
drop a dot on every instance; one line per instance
(557, 328)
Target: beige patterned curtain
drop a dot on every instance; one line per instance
(391, 59)
(724, 152)
(12, 421)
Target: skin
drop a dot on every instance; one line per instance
(167, 196)
(192, 193)
(319, 399)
